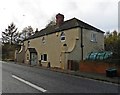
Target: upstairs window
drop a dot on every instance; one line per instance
(93, 37)
(62, 37)
(28, 43)
(43, 40)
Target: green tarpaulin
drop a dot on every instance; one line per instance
(99, 55)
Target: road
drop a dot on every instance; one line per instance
(24, 79)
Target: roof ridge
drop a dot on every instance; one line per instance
(95, 27)
(68, 24)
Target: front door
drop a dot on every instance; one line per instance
(33, 59)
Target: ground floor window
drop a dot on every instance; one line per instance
(27, 56)
(44, 57)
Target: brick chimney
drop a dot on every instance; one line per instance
(59, 19)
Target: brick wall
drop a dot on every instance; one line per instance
(97, 67)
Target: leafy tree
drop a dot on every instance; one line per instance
(10, 34)
(112, 43)
(26, 32)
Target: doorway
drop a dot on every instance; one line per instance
(33, 58)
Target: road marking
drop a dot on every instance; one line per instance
(30, 84)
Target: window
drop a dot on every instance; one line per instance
(93, 37)
(28, 43)
(43, 40)
(62, 37)
(27, 56)
(44, 57)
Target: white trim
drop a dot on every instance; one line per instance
(42, 59)
(30, 84)
(61, 36)
(93, 37)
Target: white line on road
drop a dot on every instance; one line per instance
(30, 84)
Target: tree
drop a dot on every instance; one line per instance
(10, 34)
(112, 42)
(26, 32)
(51, 22)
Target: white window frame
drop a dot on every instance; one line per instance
(93, 37)
(43, 59)
(62, 37)
(43, 40)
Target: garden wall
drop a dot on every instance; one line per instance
(97, 67)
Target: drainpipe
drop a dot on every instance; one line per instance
(82, 43)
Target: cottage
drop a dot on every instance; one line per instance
(61, 44)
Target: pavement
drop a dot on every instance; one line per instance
(94, 76)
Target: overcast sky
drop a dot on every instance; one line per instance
(102, 14)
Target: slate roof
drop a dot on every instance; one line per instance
(69, 24)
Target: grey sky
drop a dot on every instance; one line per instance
(102, 14)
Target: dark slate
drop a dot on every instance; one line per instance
(69, 24)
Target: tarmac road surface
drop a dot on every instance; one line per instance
(25, 79)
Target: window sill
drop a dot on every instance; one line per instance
(93, 41)
(44, 61)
